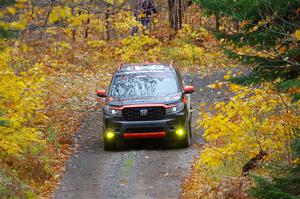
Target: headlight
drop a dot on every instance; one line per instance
(112, 112)
(175, 108)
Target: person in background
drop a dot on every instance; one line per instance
(143, 14)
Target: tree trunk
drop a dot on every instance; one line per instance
(176, 12)
(107, 24)
(86, 32)
(217, 22)
(180, 13)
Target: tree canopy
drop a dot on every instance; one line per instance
(269, 27)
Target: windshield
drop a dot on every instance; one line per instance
(140, 85)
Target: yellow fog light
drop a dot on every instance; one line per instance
(180, 132)
(110, 135)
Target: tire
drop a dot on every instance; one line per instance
(186, 142)
(109, 145)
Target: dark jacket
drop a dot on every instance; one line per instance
(146, 8)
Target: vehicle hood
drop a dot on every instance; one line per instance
(168, 99)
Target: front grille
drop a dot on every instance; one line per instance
(144, 130)
(153, 113)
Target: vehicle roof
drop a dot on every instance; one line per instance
(145, 67)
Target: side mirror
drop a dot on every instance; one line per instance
(188, 89)
(101, 93)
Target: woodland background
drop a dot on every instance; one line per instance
(54, 53)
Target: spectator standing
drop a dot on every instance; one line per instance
(143, 14)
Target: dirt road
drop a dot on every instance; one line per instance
(141, 171)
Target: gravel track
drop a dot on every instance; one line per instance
(142, 171)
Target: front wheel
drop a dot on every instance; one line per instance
(186, 141)
(109, 145)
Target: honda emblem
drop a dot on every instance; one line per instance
(143, 112)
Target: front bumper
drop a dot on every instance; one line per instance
(165, 128)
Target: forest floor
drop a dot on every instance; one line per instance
(142, 170)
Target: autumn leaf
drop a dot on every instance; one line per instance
(216, 85)
(12, 10)
(227, 77)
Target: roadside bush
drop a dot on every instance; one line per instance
(22, 144)
(21, 98)
(11, 187)
(284, 186)
(252, 121)
(142, 48)
(196, 48)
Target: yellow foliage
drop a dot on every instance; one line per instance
(254, 120)
(21, 99)
(20, 20)
(185, 51)
(59, 13)
(98, 24)
(78, 20)
(139, 48)
(11, 10)
(297, 34)
(97, 43)
(123, 22)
